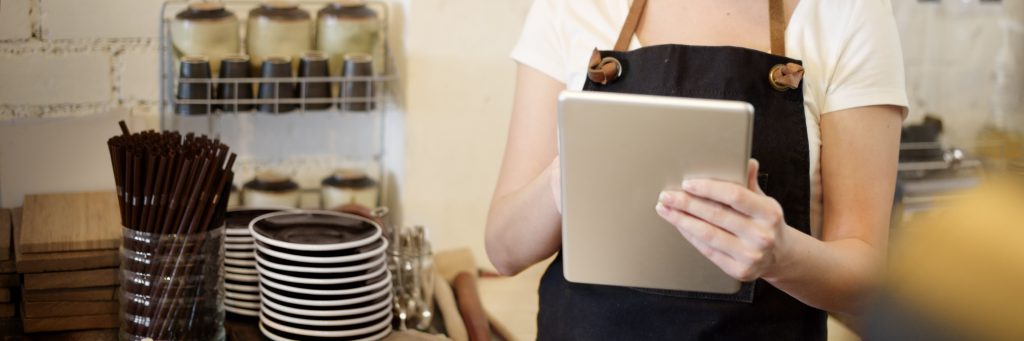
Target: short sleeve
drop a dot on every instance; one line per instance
(540, 45)
(869, 70)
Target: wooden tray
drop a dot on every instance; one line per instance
(9, 281)
(5, 234)
(69, 222)
(59, 309)
(71, 295)
(71, 279)
(61, 261)
(48, 324)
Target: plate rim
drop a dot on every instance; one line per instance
(305, 269)
(315, 247)
(326, 303)
(327, 313)
(340, 333)
(277, 285)
(322, 281)
(331, 323)
(324, 260)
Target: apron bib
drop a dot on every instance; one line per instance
(759, 311)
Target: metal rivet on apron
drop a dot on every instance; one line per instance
(604, 71)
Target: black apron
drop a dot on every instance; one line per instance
(759, 311)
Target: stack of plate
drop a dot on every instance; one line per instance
(241, 282)
(323, 275)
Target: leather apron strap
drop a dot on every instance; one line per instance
(776, 16)
(782, 77)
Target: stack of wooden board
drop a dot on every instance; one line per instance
(8, 278)
(67, 252)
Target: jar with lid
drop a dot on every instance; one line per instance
(205, 29)
(271, 189)
(347, 186)
(278, 28)
(348, 26)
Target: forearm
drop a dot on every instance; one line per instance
(834, 275)
(523, 226)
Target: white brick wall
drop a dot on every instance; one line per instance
(57, 79)
(139, 78)
(15, 21)
(77, 19)
(75, 58)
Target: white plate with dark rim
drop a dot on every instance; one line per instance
(241, 278)
(306, 269)
(241, 270)
(379, 336)
(325, 260)
(240, 262)
(241, 288)
(239, 240)
(240, 254)
(326, 303)
(326, 323)
(270, 273)
(385, 323)
(329, 313)
(307, 230)
(242, 304)
(240, 246)
(284, 287)
(242, 311)
(237, 232)
(240, 296)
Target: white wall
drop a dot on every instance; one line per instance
(458, 99)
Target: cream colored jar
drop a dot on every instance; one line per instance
(348, 186)
(278, 28)
(348, 27)
(270, 189)
(206, 29)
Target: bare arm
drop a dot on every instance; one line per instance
(743, 232)
(859, 157)
(523, 225)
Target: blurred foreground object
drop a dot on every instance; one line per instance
(958, 273)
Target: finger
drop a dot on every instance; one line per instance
(711, 212)
(752, 169)
(738, 197)
(729, 265)
(695, 229)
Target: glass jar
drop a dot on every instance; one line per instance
(172, 286)
(278, 28)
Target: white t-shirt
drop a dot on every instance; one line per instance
(850, 50)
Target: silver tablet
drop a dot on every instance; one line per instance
(618, 151)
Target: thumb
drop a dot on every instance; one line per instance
(752, 169)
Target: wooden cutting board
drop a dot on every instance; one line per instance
(71, 279)
(78, 335)
(9, 281)
(71, 295)
(5, 234)
(58, 309)
(49, 324)
(69, 222)
(61, 261)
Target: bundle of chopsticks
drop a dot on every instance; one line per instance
(169, 185)
(166, 184)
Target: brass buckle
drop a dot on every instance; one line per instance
(771, 78)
